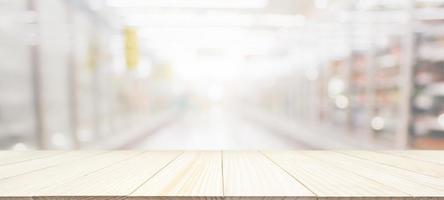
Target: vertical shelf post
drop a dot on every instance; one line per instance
(406, 70)
(36, 70)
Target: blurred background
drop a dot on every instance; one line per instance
(221, 74)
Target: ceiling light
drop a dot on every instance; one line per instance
(189, 3)
(321, 4)
(215, 20)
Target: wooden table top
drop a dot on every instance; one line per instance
(61, 175)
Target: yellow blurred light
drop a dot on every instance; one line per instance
(131, 48)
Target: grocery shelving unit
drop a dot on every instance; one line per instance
(388, 87)
(60, 87)
(367, 89)
(395, 83)
(427, 129)
(16, 99)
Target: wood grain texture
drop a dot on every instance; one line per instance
(422, 167)
(120, 179)
(11, 157)
(414, 184)
(196, 174)
(252, 174)
(429, 156)
(32, 184)
(27, 166)
(216, 175)
(326, 180)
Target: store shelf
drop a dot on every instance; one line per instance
(428, 101)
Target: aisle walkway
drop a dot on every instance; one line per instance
(215, 129)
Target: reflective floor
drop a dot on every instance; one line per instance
(216, 129)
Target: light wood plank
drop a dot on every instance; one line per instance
(251, 174)
(11, 157)
(26, 166)
(80, 198)
(120, 179)
(429, 156)
(172, 198)
(418, 166)
(329, 181)
(411, 183)
(16, 198)
(202, 175)
(32, 184)
(193, 174)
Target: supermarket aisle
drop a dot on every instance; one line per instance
(216, 129)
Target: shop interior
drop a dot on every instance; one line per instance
(221, 74)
